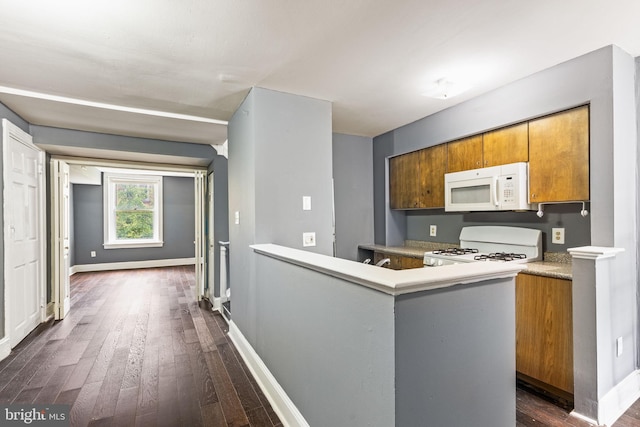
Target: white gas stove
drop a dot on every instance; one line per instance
(490, 243)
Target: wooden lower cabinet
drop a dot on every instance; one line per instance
(398, 262)
(544, 333)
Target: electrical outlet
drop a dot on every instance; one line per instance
(93, 254)
(309, 239)
(433, 230)
(557, 236)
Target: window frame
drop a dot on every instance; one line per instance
(109, 211)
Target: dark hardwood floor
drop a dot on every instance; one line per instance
(137, 349)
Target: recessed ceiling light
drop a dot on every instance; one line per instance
(444, 89)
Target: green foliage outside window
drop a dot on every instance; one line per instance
(134, 211)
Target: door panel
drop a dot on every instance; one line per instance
(60, 223)
(24, 235)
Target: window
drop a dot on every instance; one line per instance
(133, 211)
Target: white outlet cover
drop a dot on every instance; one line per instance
(557, 236)
(433, 230)
(309, 239)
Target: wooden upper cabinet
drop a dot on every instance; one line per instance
(416, 179)
(464, 154)
(433, 165)
(404, 173)
(506, 145)
(559, 157)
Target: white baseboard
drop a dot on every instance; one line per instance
(620, 398)
(83, 268)
(281, 403)
(217, 305)
(5, 347)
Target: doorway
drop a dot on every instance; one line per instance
(24, 236)
(95, 253)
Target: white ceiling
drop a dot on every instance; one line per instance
(173, 70)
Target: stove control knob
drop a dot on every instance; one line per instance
(429, 261)
(440, 262)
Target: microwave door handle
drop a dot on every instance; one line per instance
(496, 201)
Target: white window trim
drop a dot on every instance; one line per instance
(110, 242)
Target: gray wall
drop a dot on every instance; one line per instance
(279, 151)
(219, 167)
(605, 80)
(178, 218)
(329, 343)
(353, 193)
(46, 136)
(6, 113)
(450, 343)
(577, 228)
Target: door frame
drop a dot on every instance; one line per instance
(59, 262)
(7, 129)
(127, 165)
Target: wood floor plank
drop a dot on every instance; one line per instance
(110, 389)
(80, 413)
(229, 401)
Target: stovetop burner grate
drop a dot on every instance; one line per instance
(454, 251)
(499, 256)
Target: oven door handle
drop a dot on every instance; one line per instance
(496, 192)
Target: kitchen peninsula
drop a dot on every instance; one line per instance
(355, 344)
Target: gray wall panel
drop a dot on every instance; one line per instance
(353, 193)
(178, 218)
(329, 343)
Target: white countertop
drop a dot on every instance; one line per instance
(393, 282)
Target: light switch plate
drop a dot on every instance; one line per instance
(309, 239)
(306, 203)
(557, 236)
(237, 217)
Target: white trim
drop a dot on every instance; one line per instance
(129, 265)
(72, 270)
(217, 305)
(5, 347)
(281, 403)
(160, 168)
(620, 398)
(109, 215)
(112, 107)
(594, 252)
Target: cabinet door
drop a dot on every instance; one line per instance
(544, 330)
(409, 262)
(464, 154)
(507, 145)
(404, 181)
(559, 157)
(433, 165)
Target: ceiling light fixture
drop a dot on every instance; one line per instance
(444, 89)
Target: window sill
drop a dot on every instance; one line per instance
(133, 244)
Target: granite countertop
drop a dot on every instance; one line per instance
(557, 265)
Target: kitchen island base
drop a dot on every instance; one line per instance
(358, 345)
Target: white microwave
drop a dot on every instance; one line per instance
(496, 188)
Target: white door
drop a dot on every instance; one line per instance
(211, 261)
(60, 186)
(24, 232)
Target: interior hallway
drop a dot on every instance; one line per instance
(137, 349)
